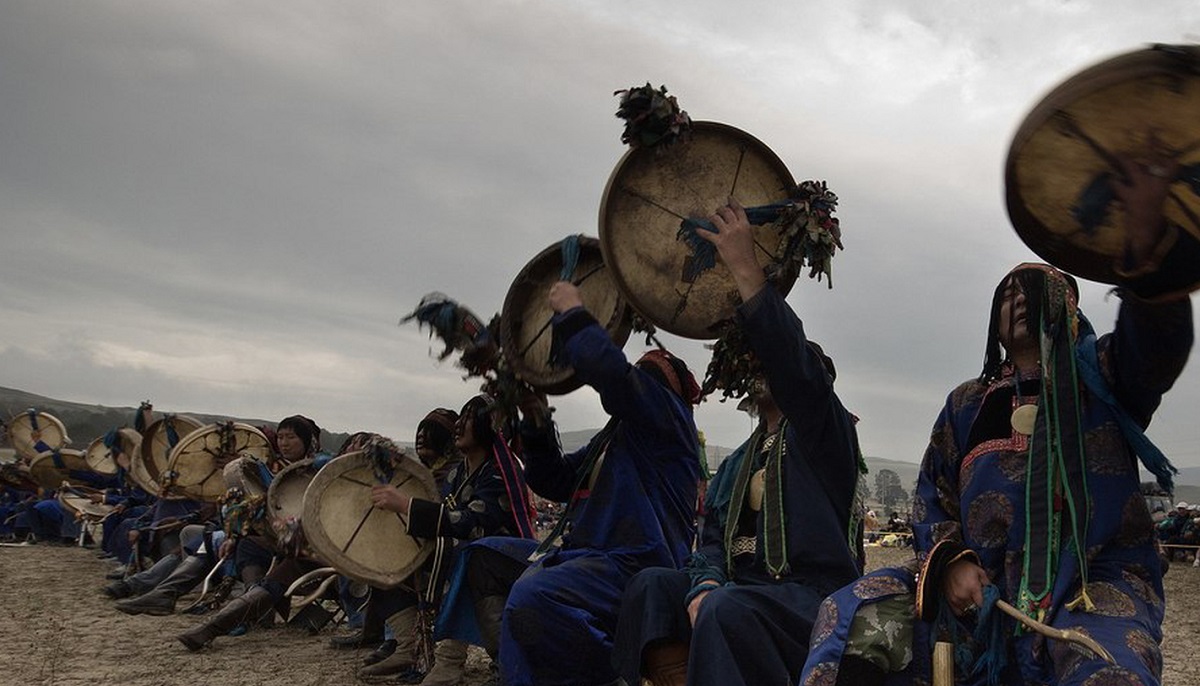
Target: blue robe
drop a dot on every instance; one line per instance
(971, 491)
(753, 628)
(560, 618)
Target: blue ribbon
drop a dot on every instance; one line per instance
(570, 257)
(41, 446)
(704, 254)
(989, 633)
(172, 434)
(1150, 456)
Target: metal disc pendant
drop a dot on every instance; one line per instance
(758, 485)
(1024, 418)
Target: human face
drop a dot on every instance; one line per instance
(424, 451)
(1014, 329)
(291, 448)
(464, 432)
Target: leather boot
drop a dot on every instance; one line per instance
(243, 609)
(383, 652)
(117, 590)
(449, 658)
(489, 611)
(404, 628)
(371, 633)
(161, 601)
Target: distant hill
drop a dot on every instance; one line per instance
(87, 422)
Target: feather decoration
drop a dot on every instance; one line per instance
(460, 330)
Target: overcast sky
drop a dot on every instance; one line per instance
(225, 207)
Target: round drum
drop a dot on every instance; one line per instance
(127, 454)
(100, 457)
(652, 190)
(346, 530)
(197, 462)
(32, 432)
(51, 468)
(82, 506)
(131, 446)
(285, 496)
(157, 442)
(525, 333)
(1067, 150)
(285, 500)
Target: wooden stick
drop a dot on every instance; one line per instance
(943, 664)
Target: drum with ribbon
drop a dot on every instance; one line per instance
(285, 503)
(1140, 108)
(653, 191)
(130, 447)
(345, 529)
(51, 468)
(124, 453)
(33, 432)
(525, 331)
(159, 439)
(196, 465)
(100, 457)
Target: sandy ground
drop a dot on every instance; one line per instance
(57, 628)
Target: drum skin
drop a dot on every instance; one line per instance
(1125, 107)
(82, 507)
(156, 446)
(346, 530)
(524, 332)
(100, 457)
(48, 473)
(198, 461)
(652, 190)
(24, 437)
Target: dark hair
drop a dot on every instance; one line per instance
(438, 428)
(1031, 280)
(305, 429)
(479, 410)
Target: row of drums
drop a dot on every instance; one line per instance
(178, 457)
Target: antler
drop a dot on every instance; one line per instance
(1070, 635)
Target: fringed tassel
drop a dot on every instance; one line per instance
(426, 615)
(990, 636)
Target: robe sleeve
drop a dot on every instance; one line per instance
(485, 513)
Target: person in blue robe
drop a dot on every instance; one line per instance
(483, 494)
(741, 611)
(550, 609)
(1029, 492)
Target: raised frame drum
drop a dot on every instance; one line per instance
(51, 468)
(196, 464)
(652, 190)
(525, 333)
(29, 428)
(1058, 170)
(157, 446)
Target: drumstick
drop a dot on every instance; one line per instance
(204, 587)
(1070, 635)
